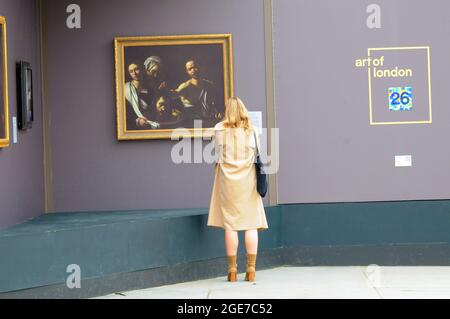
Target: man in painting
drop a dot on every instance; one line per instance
(141, 113)
(198, 95)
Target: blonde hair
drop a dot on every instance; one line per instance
(236, 115)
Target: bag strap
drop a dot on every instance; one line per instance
(256, 143)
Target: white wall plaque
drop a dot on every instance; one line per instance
(256, 119)
(403, 160)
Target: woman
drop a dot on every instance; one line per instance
(235, 203)
(139, 101)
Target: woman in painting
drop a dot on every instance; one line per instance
(235, 203)
(141, 113)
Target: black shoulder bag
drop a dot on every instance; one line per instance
(261, 178)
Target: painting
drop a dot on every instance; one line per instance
(4, 128)
(24, 95)
(171, 84)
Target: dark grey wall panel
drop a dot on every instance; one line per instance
(21, 169)
(173, 246)
(38, 252)
(328, 150)
(381, 223)
(92, 171)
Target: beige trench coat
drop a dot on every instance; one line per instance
(235, 203)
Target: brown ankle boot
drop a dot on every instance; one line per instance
(251, 267)
(232, 268)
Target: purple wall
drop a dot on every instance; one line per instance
(91, 169)
(328, 149)
(21, 168)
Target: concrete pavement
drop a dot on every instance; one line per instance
(360, 282)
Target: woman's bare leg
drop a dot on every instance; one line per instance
(251, 241)
(231, 242)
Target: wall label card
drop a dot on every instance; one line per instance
(256, 119)
(403, 160)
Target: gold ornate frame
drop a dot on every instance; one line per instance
(121, 42)
(4, 140)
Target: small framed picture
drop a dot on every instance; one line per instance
(24, 95)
